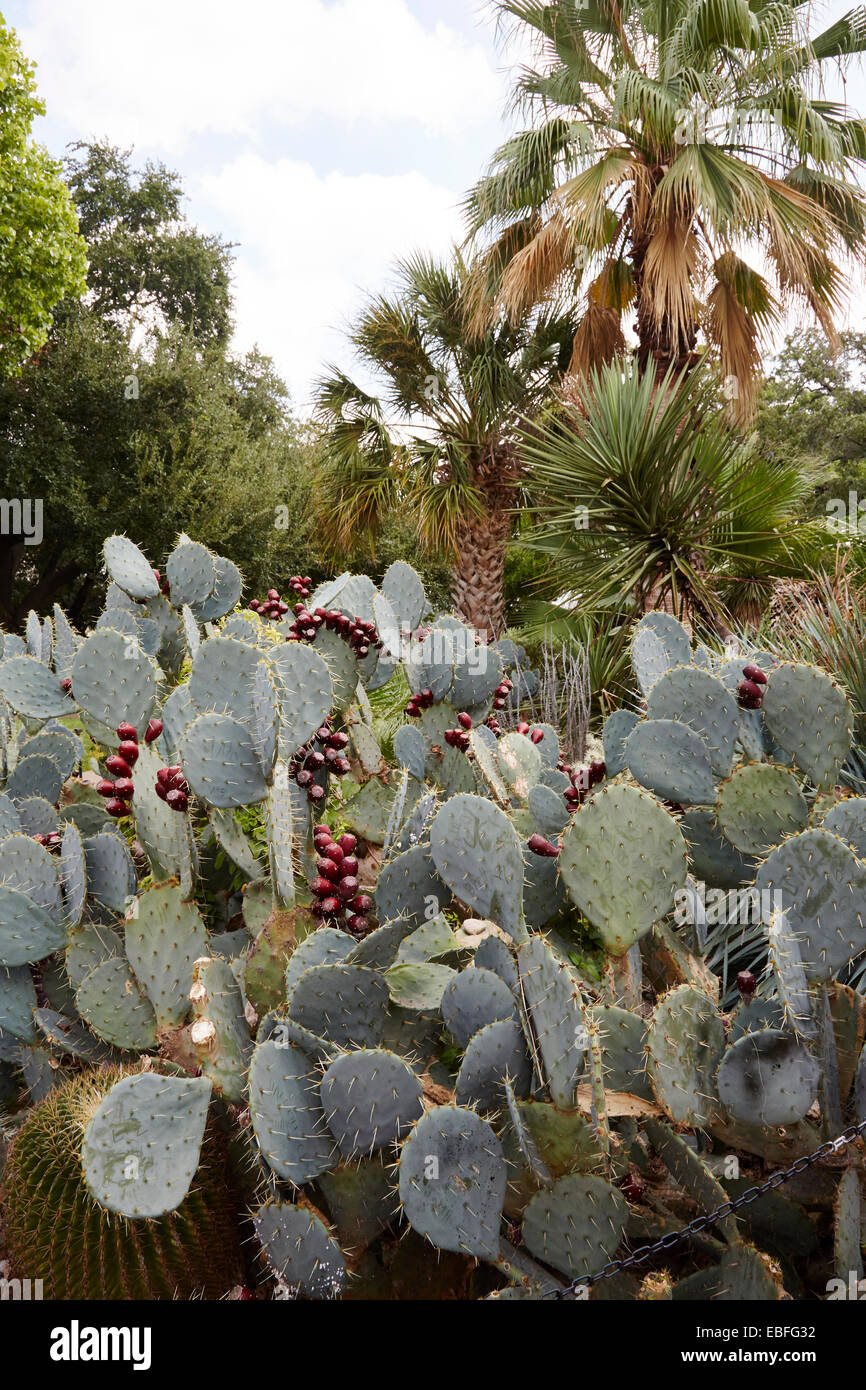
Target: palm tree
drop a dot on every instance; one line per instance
(644, 497)
(669, 137)
(449, 457)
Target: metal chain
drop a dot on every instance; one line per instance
(700, 1223)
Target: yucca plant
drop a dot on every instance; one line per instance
(441, 442)
(643, 496)
(666, 137)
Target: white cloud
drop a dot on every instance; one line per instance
(157, 74)
(312, 248)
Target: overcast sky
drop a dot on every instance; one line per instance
(326, 137)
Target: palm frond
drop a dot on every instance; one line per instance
(739, 306)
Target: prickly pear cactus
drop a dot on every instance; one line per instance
(445, 1020)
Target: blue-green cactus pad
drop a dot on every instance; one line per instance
(142, 1147)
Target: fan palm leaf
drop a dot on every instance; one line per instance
(440, 440)
(677, 134)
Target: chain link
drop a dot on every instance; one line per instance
(701, 1223)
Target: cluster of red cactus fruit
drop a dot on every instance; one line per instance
(746, 984)
(582, 779)
(501, 693)
(163, 583)
(325, 750)
(418, 703)
(534, 735)
(271, 607)
(301, 585)
(118, 793)
(51, 841)
(750, 691)
(459, 738)
(275, 606)
(172, 787)
(336, 887)
(500, 700)
(360, 635)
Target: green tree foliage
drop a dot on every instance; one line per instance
(42, 256)
(135, 417)
(813, 411)
(145, 262)
(177, 440)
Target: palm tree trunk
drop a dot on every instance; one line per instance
(478, 575)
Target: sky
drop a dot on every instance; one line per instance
(325, 137)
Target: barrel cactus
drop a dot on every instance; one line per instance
(59, 1233)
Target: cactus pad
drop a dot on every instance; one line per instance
(220, 1033)
(129, 568)
(792, 984)
(287, 1117)
(847, 819)
(623, 1037)
(326, 946)
(17, 1002)
(409, 889)
(300, 1251)
(768, 1078)
(672, 761)
(617, 728)
(32, 689)
(109, 999)
(164, 937)
(822, 889)
(759, 806)
(452, 1180)
(113, 679)
(474, 998)
(142, 1147)
(495, 1053)
(371, 1098)
(404, 590)
(713, 859)
(702, 702)
(685, 1042)
(477, 853)
(575, 1226)
(649, 658)
(622, 860)
(557, 1017)
(418, 985)
(305, 692)
(343, 1003)
(220, 762)
(809, 716)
